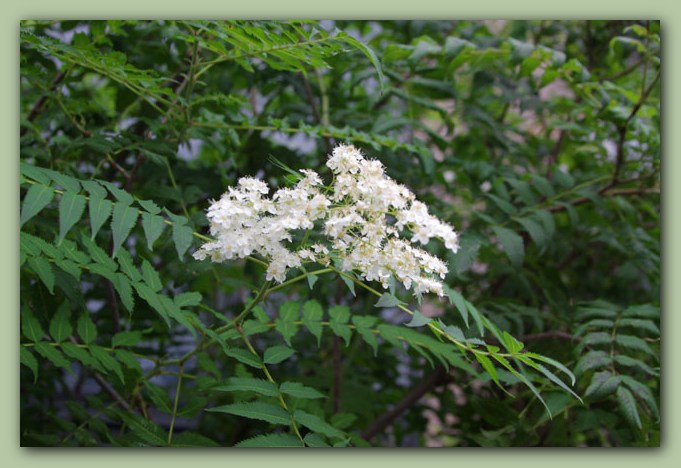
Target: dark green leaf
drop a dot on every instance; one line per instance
(28, 359)
(43, 269)
(53, 355)
(71, 207)
(298, 390)
(275, 440)
(312, 316)
(86, 328)
(30, 326)
(153, 227)
(627, 406)
(60, 325)
(182, 236)
(418, 320)
(512, 244)
(248, 384)
(256, 410)
(277, 354)
(123, 220)
(316, 424)
(37, 198)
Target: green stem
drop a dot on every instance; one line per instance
(176, 403)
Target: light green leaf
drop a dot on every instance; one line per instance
(182, 236)
(150, 206)
(457, 299)
(275, 440)
(489, 368)
(418, 320)
(248, 384)
(126, 338)
(298, 390)
(128, 266)
(71, 207)
(312, 316)
(153, 227)
(37, 197)
(256, 410)
(123, 220)
(368, 52)
(122, 285)
(188, 299)
(316, 424)
(387, 300)
(60, 326)
(285, 323)
(277, 354)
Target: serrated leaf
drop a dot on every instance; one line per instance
(489, 368)
(146, 430)
(30, 326)
(349, 283)
(121, 195)
(192, 439)
(512, 244)
(298, 390)
(548, 374)
(312, 316)
(67, 182)
(634, 343)
(593, 360)
(314, 440)
(277, 354)
(123, 220)
(457, 299)
(627, 406)
(646, 311)
(524, 380)
(477, 316)
(362, 325)
(339, 316)
(126, 338)
(602, 384)
(418, 320)
(86, 328)
(640, 324)
(128, 266)
(368, 52)
(316, 424)
(243, 356)
(149, 206)
(387, 300)
(159, 396)
(285, 323)
(76, 352)
(128, 359)
(188, 299)
(60, 325)
(69, 267)
(248, 384)
(554, 363)
(153, 227)
(151, 277)
(107, 361)
(71, 207)
(43, 269)
(256, 410)
(630, 362)
(37, 197)
(275, 440)
(53, 355)
(182, 236)
(534, 229)
(150, 296)
(28, 359)
(122, 286)
(94, 188)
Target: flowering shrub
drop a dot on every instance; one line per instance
(356, 211)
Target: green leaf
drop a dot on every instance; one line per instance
(150, 206)
(53, 355)
(122, 285)
(350, 284)
(128, 266)
(182, 236)
(418, 320)
(363, 326)
(489, 368)
(316, 424)
(153, 299)
(98, 255)
(314, 440)
(68, 183)
(159, 396)
(37, 197)
(285, 323)
(387, 300)
(128, 359)
(634, 343)
(244, 356)
(627, 406)
(94, 188)
(640, 325)
(339, 317)
(298, 390)
(60, 325)
(274, 440)
(646, 311)
(593, 360)
(71, 207)
(534, 229)
(43, 269)
(192, 439)
(28, 359)
(146, 430)
(512, 244)
(151, 277)
(123, 220)
(457, 299)
(126, 338)
(248, 384)
(311, 280)
(107, 361)
(368, 52)
(188, 299)
(256, 410)
(277, 354)
(603, 384)
(86, 328)
(153, 227)
(312, 316)
(76, 352)
(30, 326)
(122, 196)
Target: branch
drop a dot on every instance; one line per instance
(39, 106)
(608, 192)
(438, 377)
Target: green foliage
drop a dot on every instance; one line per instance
(537, 140)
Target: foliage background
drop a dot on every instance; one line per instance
(654, 278)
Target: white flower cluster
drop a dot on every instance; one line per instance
(363, 214)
